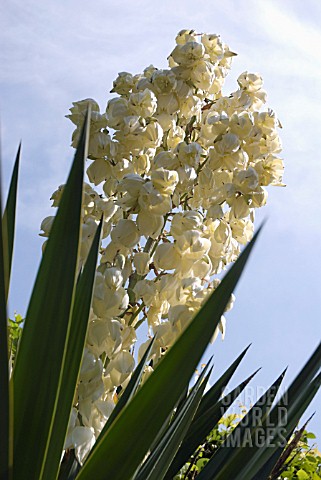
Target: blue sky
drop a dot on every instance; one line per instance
(54, 53)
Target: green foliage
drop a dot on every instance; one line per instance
(14, 334)
(149, 433)
(206, 450)
(304, 462)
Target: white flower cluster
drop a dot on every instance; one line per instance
(181, 169)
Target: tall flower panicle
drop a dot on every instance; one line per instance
(177, 170)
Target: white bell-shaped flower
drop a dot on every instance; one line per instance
(125, 233)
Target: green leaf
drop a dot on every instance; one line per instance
(279, 424)
(141, 420)
(302, 379)
(302, 475)
(276, 462)
(203, 424)
(72, 361)
(215, 392)
(224, 464)
(159, 460)
(295, 400)
(5, 397)
(39, 365)
(278, 432)
(176, 410)
(9, 216)
(200, 464)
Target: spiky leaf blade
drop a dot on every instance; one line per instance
(202, 426)
(215, 392)
(9, 215)
(5, 400)
(38, 367)
(223, 464)
(72, 362)
(160, 459)
(277, 433)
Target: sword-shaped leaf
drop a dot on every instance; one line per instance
(285, 415)
(160, 459)
(274, 429)
(202, 426)
(215, 392)
(39, 365)
(223, 464)
(72, 362)
(5, 410)
(9, 215)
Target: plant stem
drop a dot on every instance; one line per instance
(135, 314)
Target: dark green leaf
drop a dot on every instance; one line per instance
(40, 360)
(72, 362)
(159, 460)
(292, 398)
(277, 426)
(201, 427)
(5, 397)
(277, 432)
(277, 462)
(9, 216)
(223, 464)
(215, 392)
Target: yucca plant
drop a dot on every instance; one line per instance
(155, 426)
